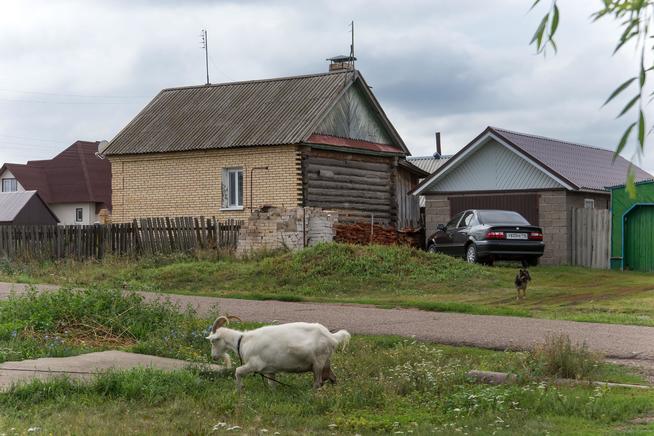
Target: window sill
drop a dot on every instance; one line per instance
(226, 209)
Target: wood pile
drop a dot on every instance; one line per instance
(362, 233)
(412, 237)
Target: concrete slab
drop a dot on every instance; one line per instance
(84, 366)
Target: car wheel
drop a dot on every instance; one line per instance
(432, 248)
(471, 253)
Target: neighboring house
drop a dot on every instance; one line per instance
(75, 184)
(632, 227)
(23, 208)
(541, 178)
(429, 164)
(318, 140)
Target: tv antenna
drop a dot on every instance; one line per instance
(205, 46)
(352, 44)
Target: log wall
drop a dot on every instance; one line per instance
(357, 186)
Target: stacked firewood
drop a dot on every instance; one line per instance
(411, 236)
(363, 233)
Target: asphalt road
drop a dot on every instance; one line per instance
(494, 332)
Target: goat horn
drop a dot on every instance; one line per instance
(234, 317)
(219, 322)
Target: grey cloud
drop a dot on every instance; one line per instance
(435, 65)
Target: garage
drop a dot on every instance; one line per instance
(525, 204)
(639, 238)
(632, 238)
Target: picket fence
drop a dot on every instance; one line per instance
(145, 236)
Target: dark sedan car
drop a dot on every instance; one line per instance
(489, 235)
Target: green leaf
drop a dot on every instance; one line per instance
(641, 129)
(627, 34)
(538, 35)
(534, 4)
(623, 141)
(618, 90)
(630, 187)
(629, 105)
(643, 74)
(555, 21)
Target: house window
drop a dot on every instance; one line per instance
(589, 203)
(79, 215)
(232, 188)
(9, 185)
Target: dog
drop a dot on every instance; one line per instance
(522, 280)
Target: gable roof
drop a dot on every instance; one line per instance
(574, 166)
(238, 114)
(12, 203)
(428, 163)
(74, 175)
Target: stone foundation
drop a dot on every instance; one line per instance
(285, 228)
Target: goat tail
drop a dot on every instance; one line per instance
(342, 338)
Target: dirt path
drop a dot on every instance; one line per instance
(494, 332)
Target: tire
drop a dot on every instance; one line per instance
(471, 253)
(432, 248)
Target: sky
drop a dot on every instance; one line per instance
(83, 69)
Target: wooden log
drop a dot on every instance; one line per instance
(355, 164)
(352, 192)
(341, 171)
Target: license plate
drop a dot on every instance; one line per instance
(516, 236)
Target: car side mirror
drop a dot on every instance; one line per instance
(441, 227)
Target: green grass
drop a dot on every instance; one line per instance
(384, 276)
(386, 384)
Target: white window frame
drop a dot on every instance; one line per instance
(79, 214)
(12, 182)
(227, 198)
(589, 203)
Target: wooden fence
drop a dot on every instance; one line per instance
(590, 233)
(146, 236)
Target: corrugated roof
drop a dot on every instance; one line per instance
(11, 203)
(74, 175)
(622, 185)
(428, 163)
(259, 112)
(585, 166)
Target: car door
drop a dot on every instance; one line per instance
(460, 234)
(444, 239)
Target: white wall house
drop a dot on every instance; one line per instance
(8, 182)
(75, 184)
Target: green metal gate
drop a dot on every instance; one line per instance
(639, 238)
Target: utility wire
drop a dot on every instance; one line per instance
(73, 95)
(66, 102)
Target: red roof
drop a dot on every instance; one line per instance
(338, 141)
(76, 175)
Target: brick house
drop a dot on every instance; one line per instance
(75, 184)
(318, 140)
(543, 179)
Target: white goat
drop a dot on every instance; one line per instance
(293, 347)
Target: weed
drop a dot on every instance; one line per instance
(559, 357)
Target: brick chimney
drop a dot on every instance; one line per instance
(339, 63)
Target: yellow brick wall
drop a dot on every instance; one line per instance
(189, 183)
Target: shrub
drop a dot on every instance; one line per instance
(559, 357)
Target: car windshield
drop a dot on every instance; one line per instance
(500, 217)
